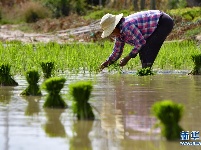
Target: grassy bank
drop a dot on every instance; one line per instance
(77, 58)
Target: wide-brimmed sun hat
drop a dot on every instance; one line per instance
(108, 23)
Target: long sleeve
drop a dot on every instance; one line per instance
(117, 52)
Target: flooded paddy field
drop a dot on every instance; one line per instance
(121, 105)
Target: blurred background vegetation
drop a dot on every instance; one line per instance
(16, 11)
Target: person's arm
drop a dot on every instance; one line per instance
(138, 40)
(116, 54)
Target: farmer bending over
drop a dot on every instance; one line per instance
(146, 31)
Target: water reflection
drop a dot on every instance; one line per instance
(53, 127)
(5, 94)
(125, 122)
(196, 82)
(112, 121)
(80, 139)
(126, 108)
(5, 98)
(33, 107)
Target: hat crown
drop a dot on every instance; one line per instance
(107, 20)
(108, 23)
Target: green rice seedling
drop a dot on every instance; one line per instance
(85, 58)
(197, 65)
(80, 92)
(115, 67)
(53, 86)
(5, 76)
(169, 115)
(33, 89)
(176, 55)
(47, 68)
(144, 72)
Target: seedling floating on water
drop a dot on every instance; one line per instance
(197, 65)
(53, 86)
(47, 68)
(33, 89)
(169, 114)
(5, 76)
(80, 93)
(144, 72)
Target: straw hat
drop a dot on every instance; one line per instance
(108, 23)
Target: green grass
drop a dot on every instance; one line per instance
(47, 68)
(192, 32)
(177, 55)
(191, 14)
(86, 58)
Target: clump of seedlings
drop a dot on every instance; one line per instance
(5, 76)
(145, 72)
(115, 67)
(197, 65)
(80, 93)
(33, 89)
(169, 115)
(53, 86)
(47, 68)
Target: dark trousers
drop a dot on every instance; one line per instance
(149, 51)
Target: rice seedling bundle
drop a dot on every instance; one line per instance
(80, 92)
(197, 64)
(47, 68)
(169, 115)
(53, 86)
(6, 78)
(33, 88)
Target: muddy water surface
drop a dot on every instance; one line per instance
(121, 104)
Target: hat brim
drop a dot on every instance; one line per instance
(109, 30)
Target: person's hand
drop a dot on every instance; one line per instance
(103, 65)
(124, 61)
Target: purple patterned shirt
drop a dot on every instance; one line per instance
(135, 29)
